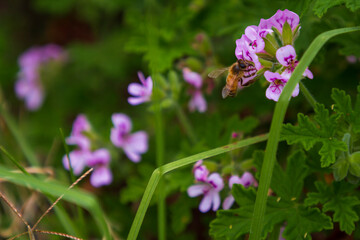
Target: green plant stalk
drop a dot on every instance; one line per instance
(186, 124)
(309, 97)
(275, 128)
(14, 160)
(29, 154)
(81, 198)
(72, 177)
(160, 171)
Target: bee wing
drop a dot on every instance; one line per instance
(217, 72)
(225, 92)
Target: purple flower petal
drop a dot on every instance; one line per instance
(228, 202)
(99, 157)
(215, 200)
(273, 91)
(201, 173)
(135, 145)
(136, 89)
(308, 74)
(81, 141)
(286, 55)
(216, 181)
(196, 190)
(206, 202)
(296, 91)
(80, 125)
(234, 180)
(137, 100)
(122, 121)
(101, 176)
(141, 92)
(78, 160)
(141, 77)
(197, 102)
(247, 179)
(192, 78)
(34, 99)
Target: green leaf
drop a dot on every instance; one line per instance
(308, 133)
(342, 103)
(303, 221)
(287, 34)
(356, 126)
(344, 212)
(335, 199)
(288, 184)
(321, 6)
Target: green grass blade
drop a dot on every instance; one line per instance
(275, 128)
(159, 172)
(10, 122)
(12, 159)
(78, 197)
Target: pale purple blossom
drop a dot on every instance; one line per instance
(200, 171)
(197, 101)
(28, 85)
(133, 144)
(277, 84)
(247, 179)
(78, 159)
(351, 59)
(287, 57)
(210, 189)
(140, 92)
(252, 38)
(77, 137)
(245, 52)
(278, 20)
(99, 160)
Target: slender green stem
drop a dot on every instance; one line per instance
(159, 172)
(275, 128)
(13, 160)
(29, 154)
(186, 124)
(309, 97)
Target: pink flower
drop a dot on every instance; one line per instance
(99, 160)
(197, 101)
(246, 180)
(278, 20)
(78, 160)
(141, 92)
(246, 52)
(28, 85)
(277, 83)
(133, 144)
(200, 171)
(254, 41)
(351, 59)
(210, 189)
(77, 137)
(287, 57)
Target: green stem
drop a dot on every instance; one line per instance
(160, 171)
(186, 124)
(309, 97)
(13, 160)
(275, 128)
(29, 154)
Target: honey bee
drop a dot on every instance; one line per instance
(238, 72)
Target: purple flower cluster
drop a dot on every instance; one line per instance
(84, 155)
(270, 47)
(28, 85)
(197, 101)
(211, 185)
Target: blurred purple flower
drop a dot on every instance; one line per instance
(133, 144)
(28, 85)
(197, 101)
(210, 189)
(351, 59)
(278, 20)
(287, 57)
(77, 137)
(141, 92)
(78, 160)
(99, 160)
(200, 171)
(246, 180)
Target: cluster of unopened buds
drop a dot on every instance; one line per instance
(87, 153)
(211, 185)
(270, 47)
